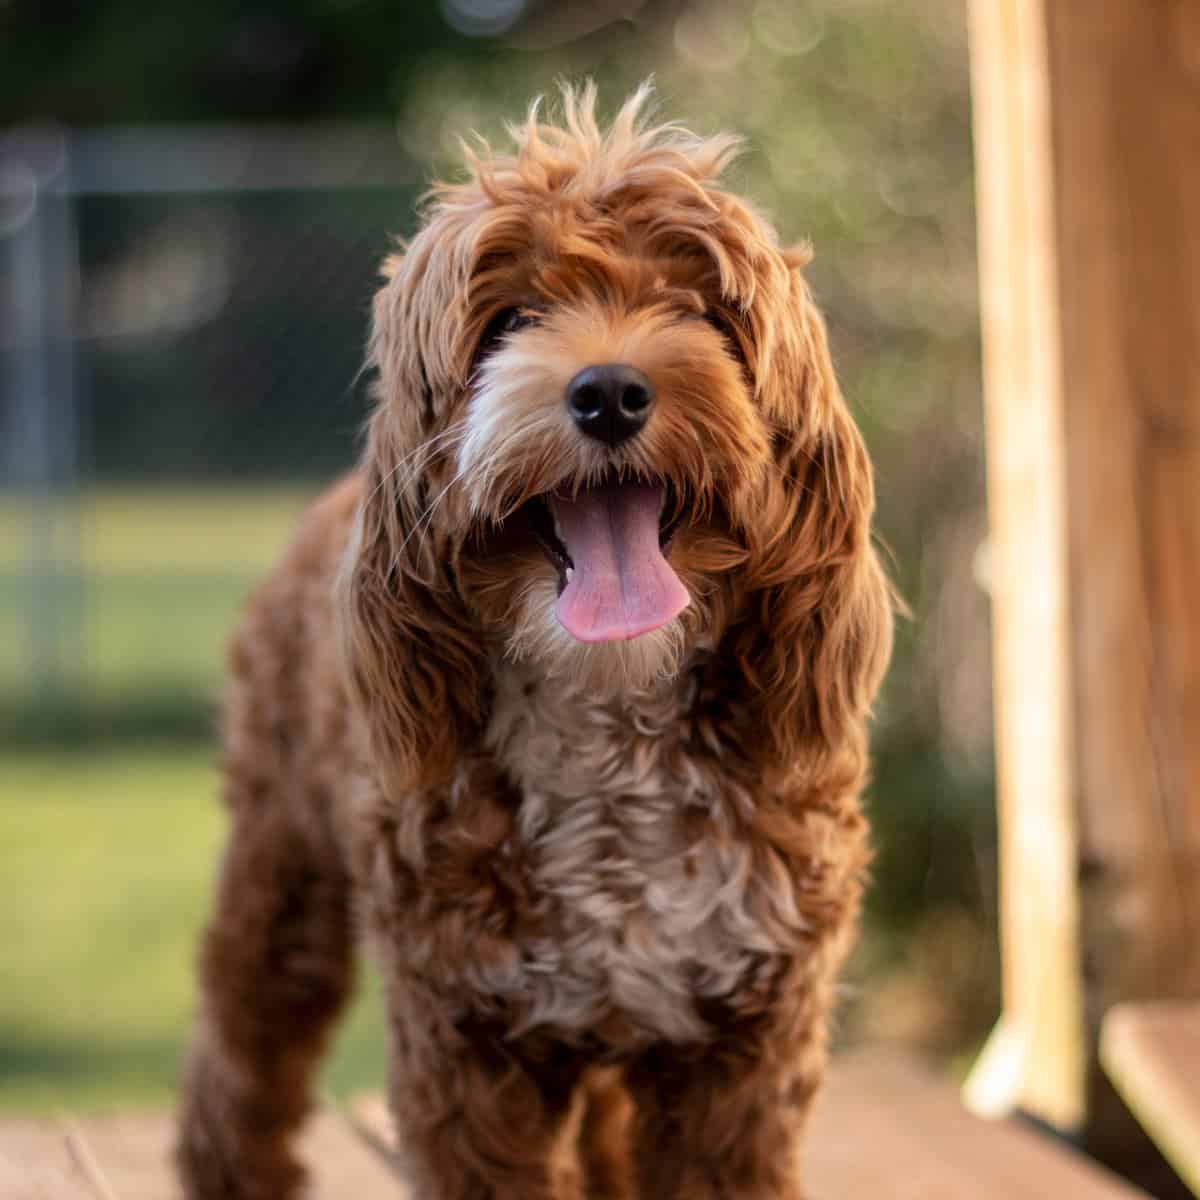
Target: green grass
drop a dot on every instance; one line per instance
(159, 576)
(166, 529)
(108, 847)
(108, 858)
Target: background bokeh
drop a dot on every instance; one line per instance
(193, 200)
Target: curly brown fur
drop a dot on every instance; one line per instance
(609, 885)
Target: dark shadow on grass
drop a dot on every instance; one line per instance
(66, 721)
(65, 1063)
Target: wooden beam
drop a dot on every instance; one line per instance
(1037, 1058)
(1088, 143)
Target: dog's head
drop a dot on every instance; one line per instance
(607, 438)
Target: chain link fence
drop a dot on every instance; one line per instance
(183, 312)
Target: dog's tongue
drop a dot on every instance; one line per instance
(621, 585)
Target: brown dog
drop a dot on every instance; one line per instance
(560, 700)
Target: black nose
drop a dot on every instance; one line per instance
(610, 402)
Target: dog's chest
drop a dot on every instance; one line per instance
(645, 899)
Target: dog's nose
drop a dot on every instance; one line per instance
(610, 402)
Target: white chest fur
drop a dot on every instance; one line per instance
(647, 899)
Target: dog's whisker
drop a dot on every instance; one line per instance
(511, 446)
(426, 518)
(422, 454)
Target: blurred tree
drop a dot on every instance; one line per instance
(856, 114)
(192, 60)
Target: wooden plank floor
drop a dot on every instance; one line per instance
(883, 1130)
(39, 1161)
(885, 1127)
(1151, 1052)
(129, 1158)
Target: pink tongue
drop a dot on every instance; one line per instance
(621, 585)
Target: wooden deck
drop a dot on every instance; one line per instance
(1152, 1054)
(884, 1130)
(128, 1158)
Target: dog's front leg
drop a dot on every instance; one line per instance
(478, 1118)
(276, 969)
(725, 1123)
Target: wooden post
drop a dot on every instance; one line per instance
(1087, 122)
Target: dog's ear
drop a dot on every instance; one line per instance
(412, 653)
(807, 652)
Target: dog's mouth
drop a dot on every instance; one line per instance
(609, 543)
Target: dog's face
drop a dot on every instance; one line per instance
(604, 344)
(608, 408)
(607, 433)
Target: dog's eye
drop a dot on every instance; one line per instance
(721, 323)
(728, 329)
(518, 318)
(506, 321)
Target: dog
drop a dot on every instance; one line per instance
(560, 702)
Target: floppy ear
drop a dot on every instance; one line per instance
(413, 656)
(815, 629)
